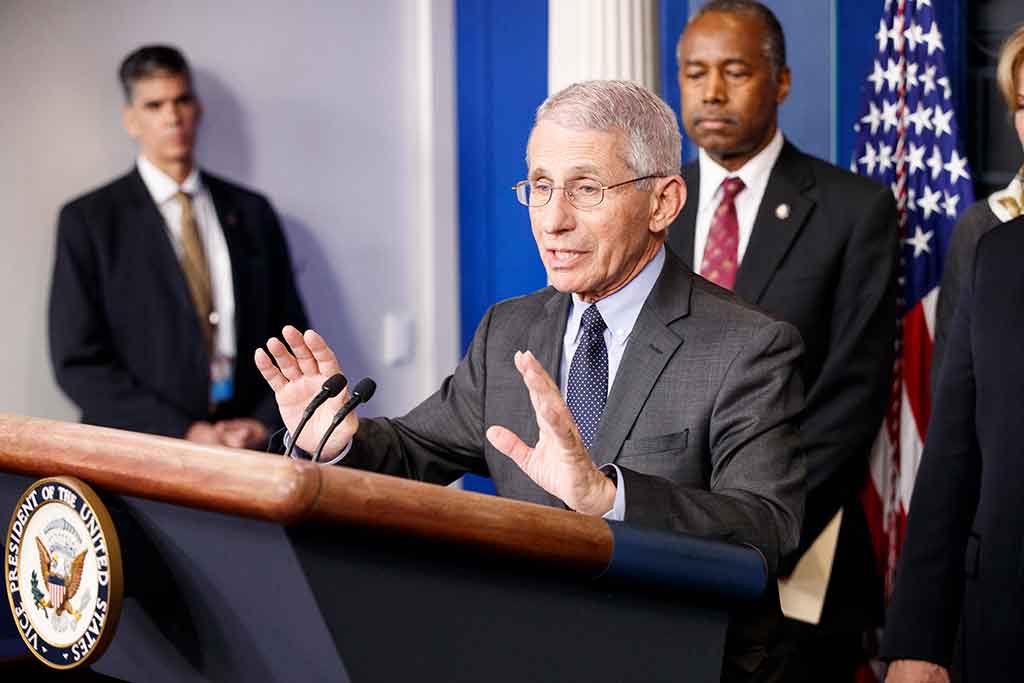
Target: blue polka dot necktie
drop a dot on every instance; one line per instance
(588, 376)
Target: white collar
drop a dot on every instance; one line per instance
(1007, 203)
(621, 308)
(754, 173)
(161, 186)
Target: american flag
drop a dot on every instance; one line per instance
(907, 139)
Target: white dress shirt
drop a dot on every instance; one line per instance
(754, 174)
(162, 188)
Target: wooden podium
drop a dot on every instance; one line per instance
(248, 566)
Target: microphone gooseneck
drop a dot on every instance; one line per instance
(331, 388)
(361, 393)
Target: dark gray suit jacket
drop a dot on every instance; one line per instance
(700, 418)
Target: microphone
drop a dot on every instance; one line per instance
(361, 393)
(332, 387)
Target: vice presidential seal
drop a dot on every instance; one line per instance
(63, 572)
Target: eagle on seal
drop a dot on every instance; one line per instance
(62, 584)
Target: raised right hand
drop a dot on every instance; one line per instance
(302, 367)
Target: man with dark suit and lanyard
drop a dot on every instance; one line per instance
(810, 244)
(165, 276)
(630, 388)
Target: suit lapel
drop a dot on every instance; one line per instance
(153, 231)
(783, 211)
(545, 341)
(651, 345)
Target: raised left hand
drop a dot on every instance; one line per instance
(559, 463)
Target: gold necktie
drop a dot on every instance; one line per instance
(197, 272)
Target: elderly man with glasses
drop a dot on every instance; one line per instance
(629, 388)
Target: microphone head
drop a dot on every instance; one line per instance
(334, 384)
(364, 389)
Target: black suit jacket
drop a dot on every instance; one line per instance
(963, 558)
(124, 338)
(829, 269)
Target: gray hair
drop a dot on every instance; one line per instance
(774, 45)
(649, 125)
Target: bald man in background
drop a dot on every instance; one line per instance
(816, 246)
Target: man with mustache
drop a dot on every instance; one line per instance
(630, 388)
(810, 244)
(163, 275)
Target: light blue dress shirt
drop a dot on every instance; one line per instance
(619, 311)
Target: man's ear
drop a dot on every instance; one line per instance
(666, 202)
(784, 81)
(129, 121)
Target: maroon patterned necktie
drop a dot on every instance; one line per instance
(721, 252)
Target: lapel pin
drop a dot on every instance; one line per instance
(232, 219)
(782, 211)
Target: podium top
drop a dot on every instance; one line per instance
(272, 488)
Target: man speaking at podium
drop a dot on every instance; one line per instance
(630, 388)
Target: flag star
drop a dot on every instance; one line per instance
(921, 118)
(874, 117)
(877, 76)
(929, 202)
(884, 157)
(882, 36)
(928, 79)
(941, 119)
(896, 33)
(950, 204)
(892, 73)
(920, 241)
(915, 157)
(869, 159)
(890, 114)
(956, 167)
(914, 35)
(922, 3)
(946, 90)
(888, 4)
(912, 199)
(934, 39)
(912, 81)
(935, 162)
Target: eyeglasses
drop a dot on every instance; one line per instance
(582, 193)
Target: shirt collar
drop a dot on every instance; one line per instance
(754, 173)
(621, 309)
(161, 186)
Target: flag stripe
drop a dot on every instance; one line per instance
(917, 366)
(907, 139)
